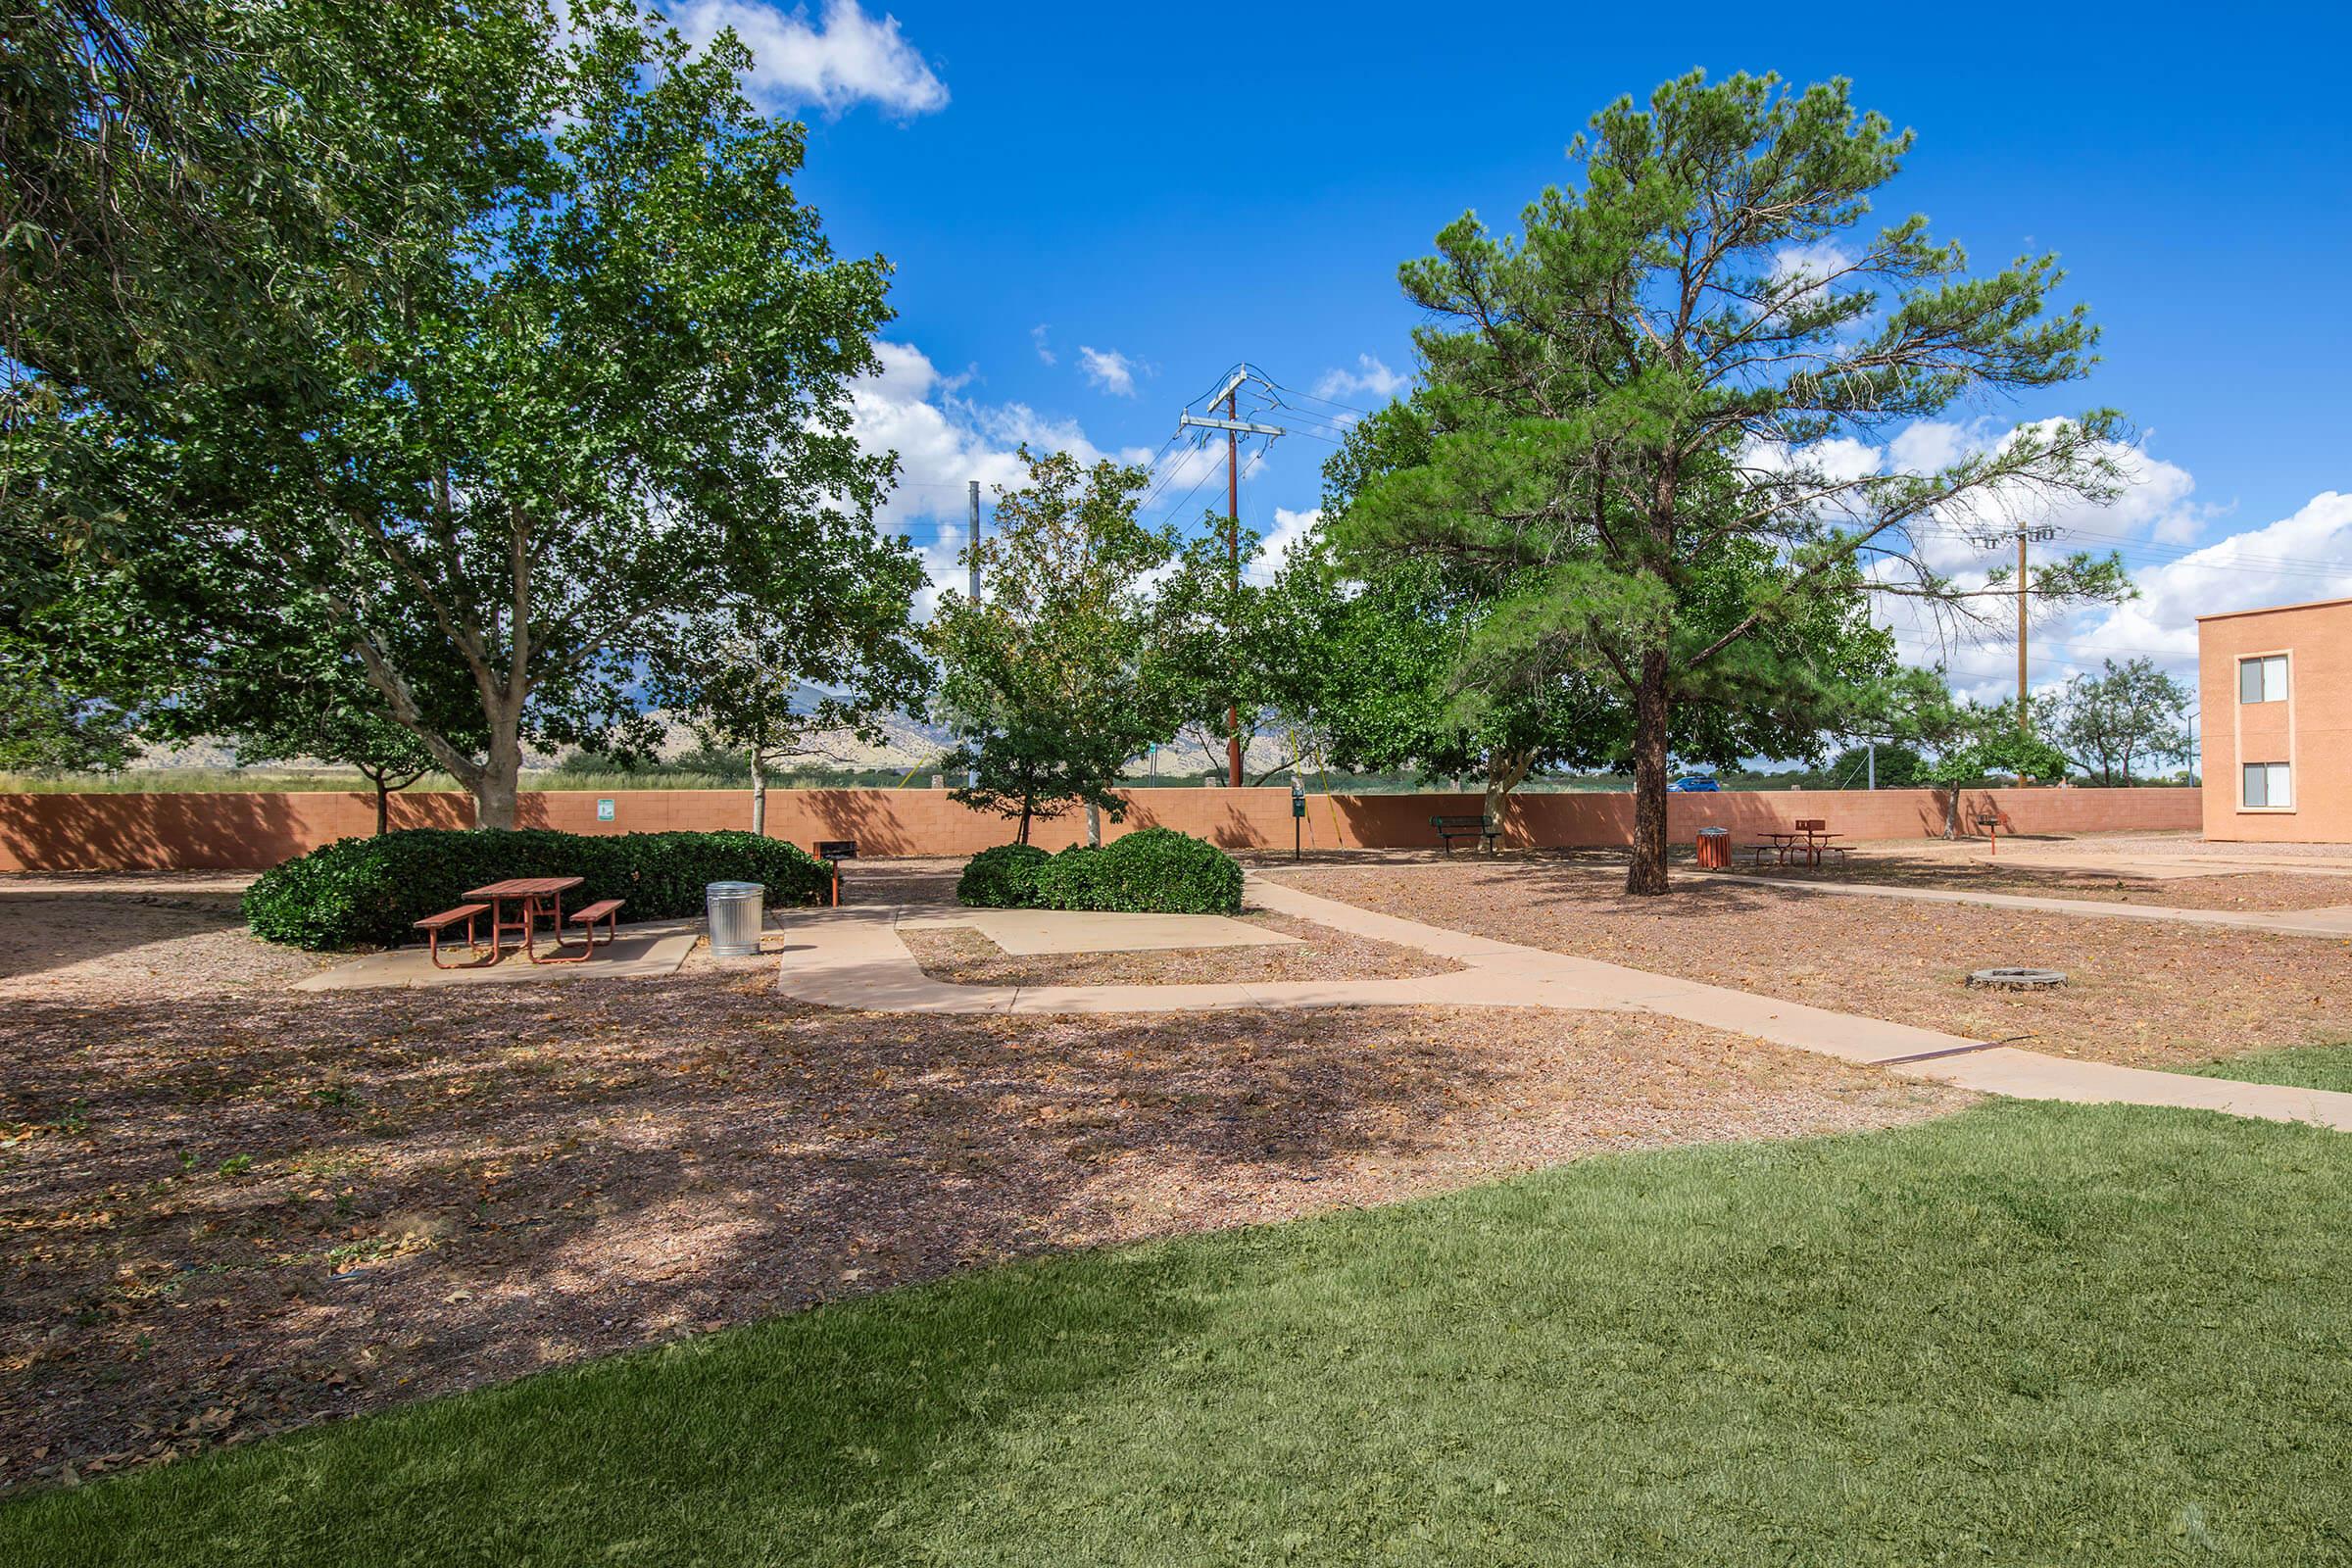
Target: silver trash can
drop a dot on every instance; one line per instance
(737, 912)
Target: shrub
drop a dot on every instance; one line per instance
(1002, 878)
(1154, 870)
(366, 892)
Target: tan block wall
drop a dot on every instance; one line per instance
(248, 832)
(2311, 731)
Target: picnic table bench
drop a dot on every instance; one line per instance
(1450, 829)
(432, 925)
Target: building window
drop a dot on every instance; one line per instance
(2267, 787)
(2262, 680)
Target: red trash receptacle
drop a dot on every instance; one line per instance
(1714, 849)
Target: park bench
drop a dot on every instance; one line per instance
(1450, 829)
(605, 910)
(432, 925)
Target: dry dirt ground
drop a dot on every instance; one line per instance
(230, 1208)
(965, 957)
(125, 935)
(1891, 866)
(2143, 994)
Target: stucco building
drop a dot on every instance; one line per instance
(2275, 703)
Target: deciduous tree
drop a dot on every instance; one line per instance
(593, 381)
(2128, 714)
(1061, 673)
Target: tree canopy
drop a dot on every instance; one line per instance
(1665, 406)
(2127, 715)
(1062, 672)
(591, 383)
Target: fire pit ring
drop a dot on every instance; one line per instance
(2019, 979)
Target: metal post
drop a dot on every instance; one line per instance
(1874, 767)
(1233, 552)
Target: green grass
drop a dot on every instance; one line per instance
(2300, 1066)
(2029, 1334)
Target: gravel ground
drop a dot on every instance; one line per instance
(236, 1215)
(2253, 890)
(2141, 994)
(102, 938)
(965, 957)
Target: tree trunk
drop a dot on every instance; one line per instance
(1951, 812)
(1646, 873)
(758, 794)
(383, 806)
(1023, 836)
(1093, 826)
(495, 789)
(1505, 772)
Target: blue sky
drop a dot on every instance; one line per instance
(1149, 196)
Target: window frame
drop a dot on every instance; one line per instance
(2262, 664)
(2285, 774)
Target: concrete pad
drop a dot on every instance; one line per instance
(1037, 933)
(639, 952)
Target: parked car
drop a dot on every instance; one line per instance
(1695, 784)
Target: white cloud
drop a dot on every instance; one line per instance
(1290, 528)
(1037, 337)
(1109, 369)
(1369, 377)
(944, 441)
(847, 59)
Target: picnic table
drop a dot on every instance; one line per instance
(532, 897)
(1810, 838)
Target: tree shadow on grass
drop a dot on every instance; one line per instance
(250, 1212)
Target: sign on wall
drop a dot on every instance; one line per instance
(603, 811)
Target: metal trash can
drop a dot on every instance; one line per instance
(737, 910)
(1714, 849)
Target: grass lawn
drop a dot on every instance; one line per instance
(2024, 1334)
(2304, 1067)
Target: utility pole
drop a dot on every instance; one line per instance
(1233, 554)
(2024, 722)
(973, 494)
(972, 777)
(1993, 540)
(1235, 427)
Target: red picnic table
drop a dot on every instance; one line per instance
(1811, 839)
(532, 897)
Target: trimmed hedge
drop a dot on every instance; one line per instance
(1154, 870)
(366, 892)
(1002, 878)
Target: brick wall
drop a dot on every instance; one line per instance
(249, 831)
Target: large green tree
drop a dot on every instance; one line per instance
(1427, 664)
(593, 380)
(1063, 671)
(1675, 368)
(2126, 716)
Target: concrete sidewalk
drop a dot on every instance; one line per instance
(853, 959)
